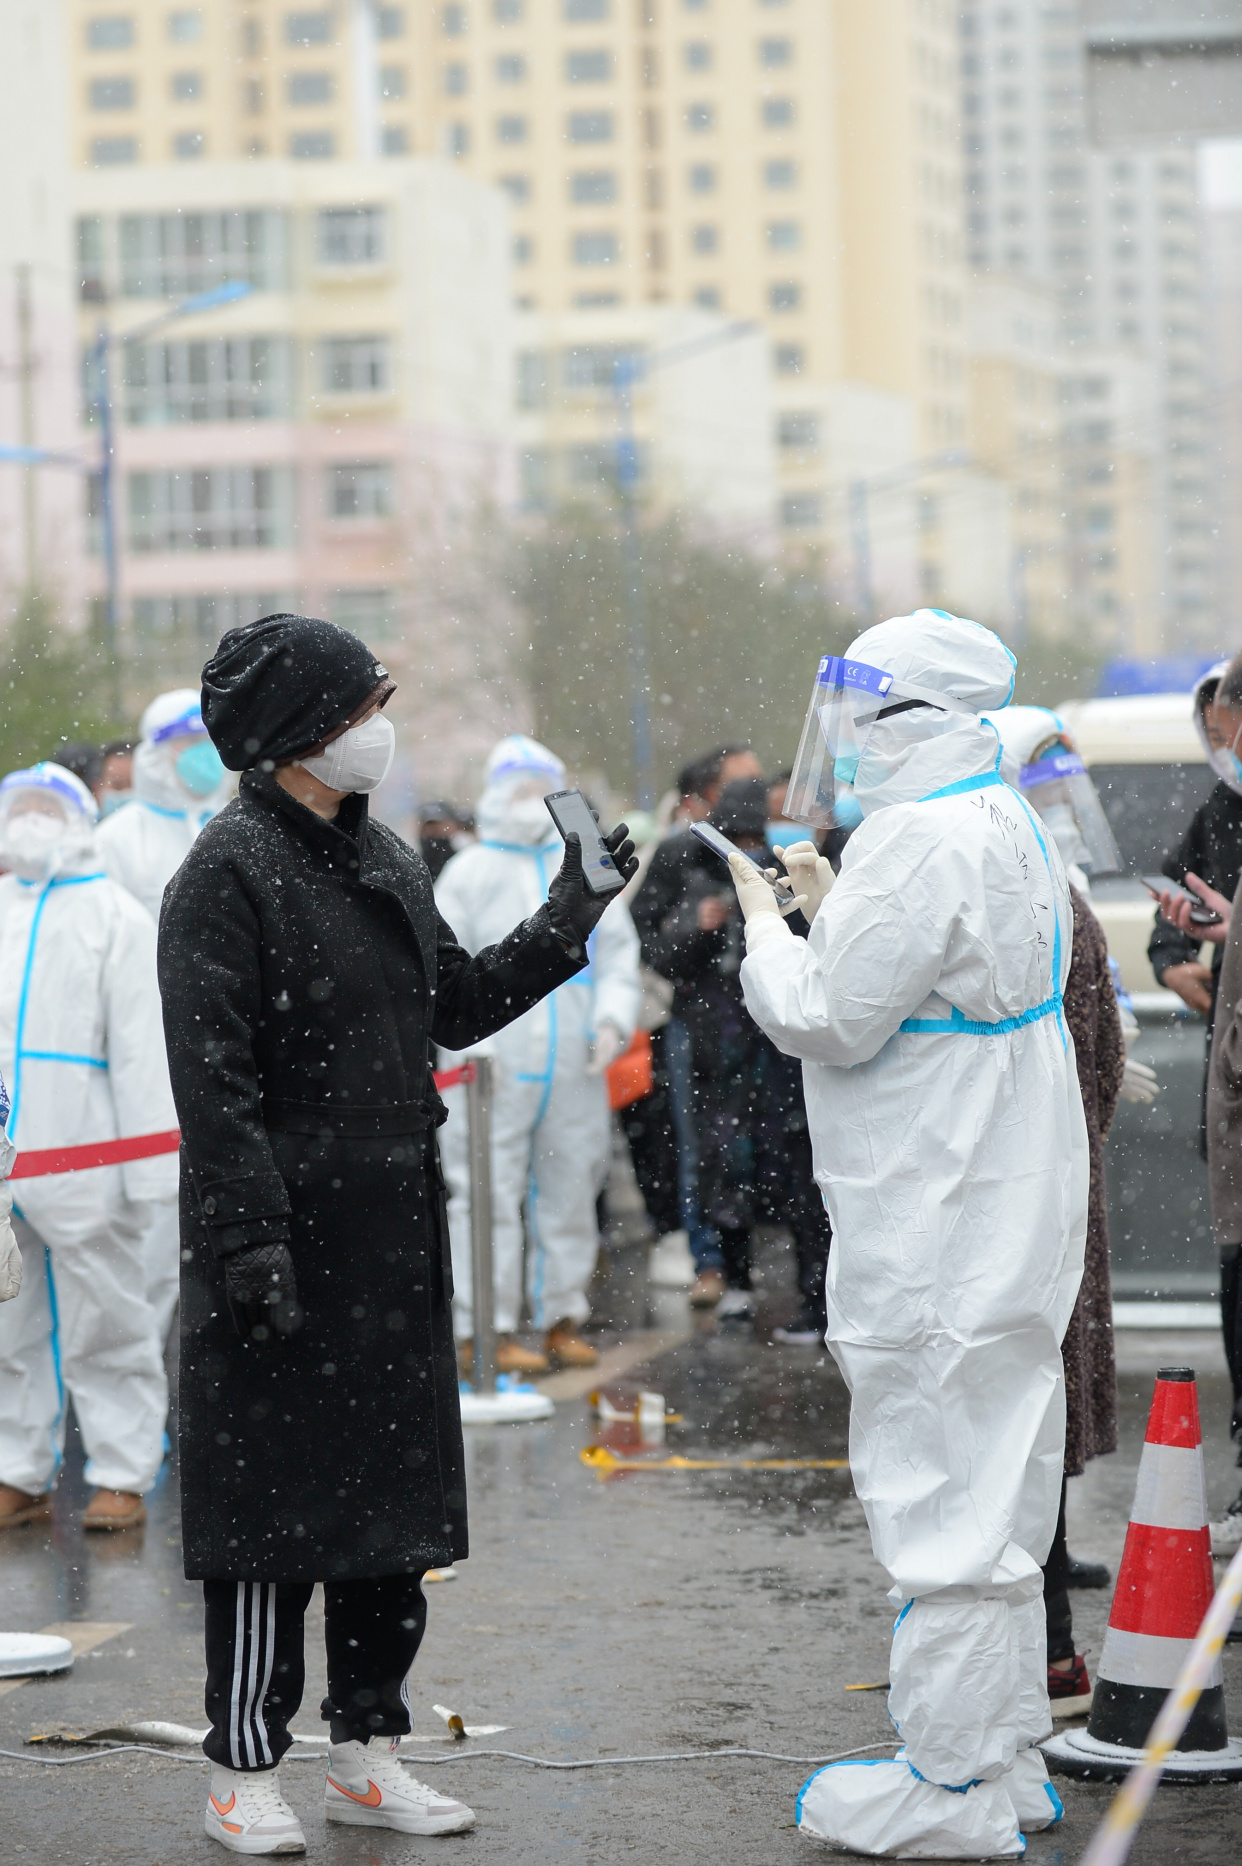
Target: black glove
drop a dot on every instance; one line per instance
(574, 910)
(262, 1292)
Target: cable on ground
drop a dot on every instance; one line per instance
(463, 1755)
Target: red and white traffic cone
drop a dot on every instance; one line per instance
(1163, 1590)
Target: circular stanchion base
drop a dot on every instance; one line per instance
(507, 1406)
(1074, 1752)
(27, 1655)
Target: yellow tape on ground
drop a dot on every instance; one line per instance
(605, 1463)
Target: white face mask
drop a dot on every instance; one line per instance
(529, 821)
(33, 844)
(359, 759)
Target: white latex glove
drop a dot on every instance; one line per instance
(760, 909)
(608, 1046)
(811, 874)
(10, 1255)
(1138, 1082)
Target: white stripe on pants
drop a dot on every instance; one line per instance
(254, 1645)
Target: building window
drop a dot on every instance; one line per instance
(704, 239)
(110, 32)
(701, 178)
(700, 117)
(350, 236)
(360, 489)
(517, 187)
(590, 366)
(186, 86)
(370, 613)
(185, 26)
(777, 112)
(207, 379)
(588, 67)
(802, 511)
(798, 431)
(511, 129)
(595, 249)
(456, 80)
(707, 297)
(780, 174)
(172, 255)
(774, 52)
(784, 236)
(211, 509)
(392, 81)
(312, 146)
(511, 68)
(309, 28)
(390, 22)
(457, 139)
(112, 93)
(309, 87)
(356, 365)
(394, 140)
(787, 359)
(107, 151)
(532, 379)
(585, 9)
(590, 126)
(201, 620)
(593, 187)
(696, 55)
(189, 146)
(507, 12)
(784, 296)
(523, 249)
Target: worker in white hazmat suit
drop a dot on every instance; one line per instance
(82, 1049)
(179, 784)
(950, 1143)
(550, 1116)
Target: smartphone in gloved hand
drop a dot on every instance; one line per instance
(712, 839)
(571, 812)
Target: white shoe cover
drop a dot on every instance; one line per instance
(1036, 1802)
(885, 1810)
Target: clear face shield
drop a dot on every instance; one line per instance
(1058, 786)
(847, 701)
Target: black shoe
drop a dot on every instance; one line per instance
(1087, 1573)
(805, 1331)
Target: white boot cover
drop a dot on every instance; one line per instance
(886, 1811)
(956, 1685)
(1035, 1801)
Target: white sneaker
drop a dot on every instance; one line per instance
(247, 1813)
(367, 1787)
(1227, 1533)
(736, 1303)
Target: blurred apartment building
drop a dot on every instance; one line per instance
(1114, 238)
(791, 163)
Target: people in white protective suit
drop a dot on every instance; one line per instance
(82, 1049)
(950, 1143)
(179, 784)
(550, 1115)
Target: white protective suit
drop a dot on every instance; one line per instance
(82, 1050)
(550, 1116)
(142, 845)
(950, 1144)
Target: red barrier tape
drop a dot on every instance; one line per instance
(45, 1160)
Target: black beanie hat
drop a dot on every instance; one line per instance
(743, 808)
(277, 687)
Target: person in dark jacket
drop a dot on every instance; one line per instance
(305, 971)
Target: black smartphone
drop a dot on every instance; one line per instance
(1201, 914)
(712, 839)
(570, 811)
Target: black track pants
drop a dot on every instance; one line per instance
(1057, 1610)
(256, 1666)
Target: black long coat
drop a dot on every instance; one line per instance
(304, 971)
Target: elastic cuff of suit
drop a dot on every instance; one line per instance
(762, 929)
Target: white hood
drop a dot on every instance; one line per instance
(519, 772)
(910, 755)
(171, 716)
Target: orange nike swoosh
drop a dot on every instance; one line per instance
(371, 1799)
(223, 1807)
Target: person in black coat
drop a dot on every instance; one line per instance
(305, 972)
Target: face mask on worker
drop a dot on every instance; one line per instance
(200, 768)
(359, 760)
(37, 845)
(112, 800)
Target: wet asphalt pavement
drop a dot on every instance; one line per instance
(652, 1612)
